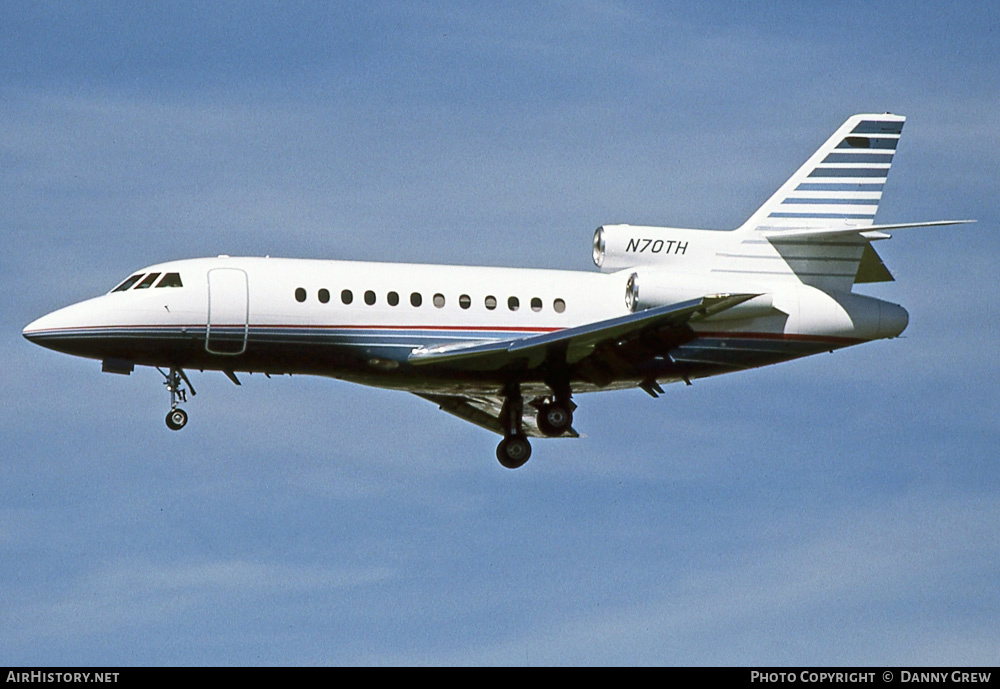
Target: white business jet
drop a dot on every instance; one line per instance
(507, 348)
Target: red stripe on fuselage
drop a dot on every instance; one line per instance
(790, 337)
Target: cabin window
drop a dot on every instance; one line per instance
(170, 280)
(536, 304)
(148, 281)
(416, 299)
(465, 301)
(347, 296)
(324, 296)
(369, 297)
(513, 303)
(300, 294)
(439, 300)
(491, 302)
(392, 298)
(128, 283)
(559, 305)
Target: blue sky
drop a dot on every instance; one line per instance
(841, 509)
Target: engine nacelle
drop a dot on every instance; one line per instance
(647, 289)
(629, 246)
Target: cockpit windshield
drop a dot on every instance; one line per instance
(146, 280)
(128, 283)
(170, 280)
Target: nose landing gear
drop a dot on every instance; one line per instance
(177, 418)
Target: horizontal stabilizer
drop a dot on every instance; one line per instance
(868, 231)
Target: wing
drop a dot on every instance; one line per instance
(572, 345)
(600, 353)
(484, 411)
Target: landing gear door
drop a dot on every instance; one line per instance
(228, 311)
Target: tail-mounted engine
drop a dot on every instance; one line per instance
(626, 246)
(651, 288)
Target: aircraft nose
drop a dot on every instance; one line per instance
(39, 329)
(61, 330)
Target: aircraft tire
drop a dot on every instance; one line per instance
(176, 419)
(554, 419)
(513, 451)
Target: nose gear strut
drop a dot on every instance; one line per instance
(175, 380)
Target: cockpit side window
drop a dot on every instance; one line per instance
(128, 283)
(170, 280)
(148, 281)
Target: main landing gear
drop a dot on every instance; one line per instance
(177, 418)
(555, 417)
(514, 450)
(555, 414)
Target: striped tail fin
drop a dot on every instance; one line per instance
(840, 186)
(804, 232)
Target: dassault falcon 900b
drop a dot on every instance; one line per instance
(507, 348)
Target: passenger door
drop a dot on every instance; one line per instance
(228, 311)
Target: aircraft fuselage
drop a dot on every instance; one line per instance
(360, 321)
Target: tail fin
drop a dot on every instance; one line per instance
(840, 186)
